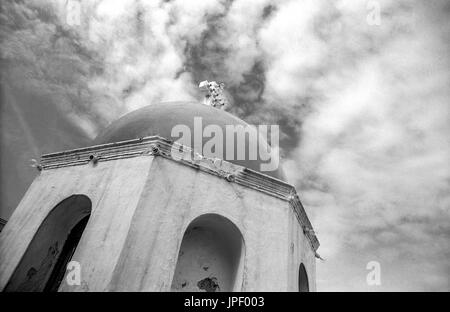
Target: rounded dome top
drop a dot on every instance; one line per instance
(159, 119)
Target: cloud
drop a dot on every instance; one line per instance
(378, 142)
(363, 110)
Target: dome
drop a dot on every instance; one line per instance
(159, 119)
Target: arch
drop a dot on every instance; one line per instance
(44, 262)
(303, 284)
(210, 256)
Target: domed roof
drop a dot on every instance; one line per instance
(161, 118)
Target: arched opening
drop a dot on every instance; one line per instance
(43, 265)
(210, 256)
(303, 285)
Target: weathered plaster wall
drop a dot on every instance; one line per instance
(177, 195)
(114, 189)
(300, 252)
(210, 256)
(141, 208)
(37, 264)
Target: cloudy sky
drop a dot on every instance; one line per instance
(362, 100)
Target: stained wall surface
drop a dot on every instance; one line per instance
(210, 257)
(37, 264)
(141, 209)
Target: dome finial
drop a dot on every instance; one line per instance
(214, 95)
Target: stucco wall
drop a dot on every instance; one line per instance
(300, 252)
(141, 208)
(211, 256)
(114, 188)
(38, 263)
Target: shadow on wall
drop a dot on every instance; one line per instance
(43, 265)
(210, 257)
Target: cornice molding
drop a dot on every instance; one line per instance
(159, 146)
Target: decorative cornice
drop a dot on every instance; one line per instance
(158, 146)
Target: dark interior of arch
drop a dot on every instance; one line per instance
(43, 265)
(210, 256)
(303, 285)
